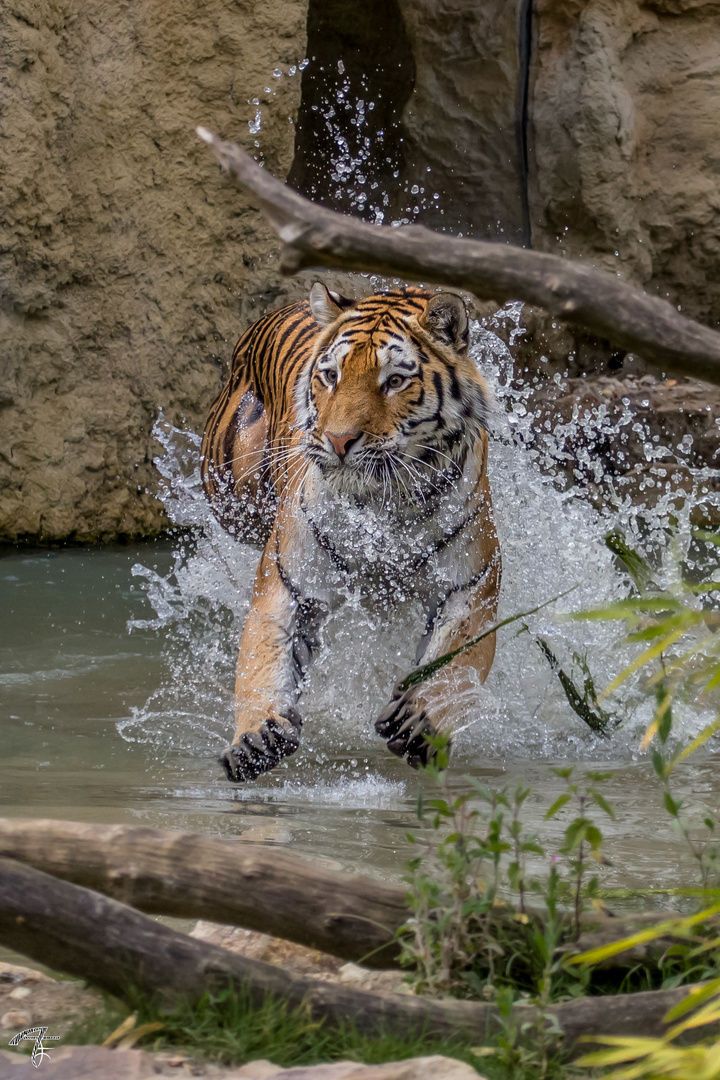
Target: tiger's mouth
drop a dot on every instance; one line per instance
(403, 472)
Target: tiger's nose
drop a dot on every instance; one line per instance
(342, 443)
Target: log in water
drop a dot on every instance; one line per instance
(81, 932)
(192, 876)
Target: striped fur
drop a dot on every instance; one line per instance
(338, 415)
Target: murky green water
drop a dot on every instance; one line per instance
(71, 673)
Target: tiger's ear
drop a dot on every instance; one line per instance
(327, 306)
(446, 318)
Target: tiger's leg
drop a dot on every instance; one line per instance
(236, 468)
(276, 645)
(429, 709)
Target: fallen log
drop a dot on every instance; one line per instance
(83, 933)
(576, 292)
(188, 875)
(192, 876)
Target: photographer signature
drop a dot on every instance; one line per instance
(37, 1034)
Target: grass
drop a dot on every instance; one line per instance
(229, 1029)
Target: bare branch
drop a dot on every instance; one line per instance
(575, 292)
(81, 932)
(192, 876)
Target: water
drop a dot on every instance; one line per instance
(116, 673)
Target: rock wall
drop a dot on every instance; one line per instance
(625, 141)
(128, 265)
(589, 127)
(463, 132)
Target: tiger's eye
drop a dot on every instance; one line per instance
(394, 382)
(330, 376)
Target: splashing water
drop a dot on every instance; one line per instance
(552, 540)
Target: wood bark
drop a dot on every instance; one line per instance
(192, 876)
(575, 292)
(188, 875)
(86, 934)
(82, 932)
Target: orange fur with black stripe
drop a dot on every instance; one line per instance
(350, 440)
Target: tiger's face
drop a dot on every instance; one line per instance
(390, 402)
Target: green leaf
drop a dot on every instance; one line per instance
(426, 671)
(563, 773)
(671, 926)
(640, 661)
(698, 741)
(708, 537)
(594, 836)
(664, 713)
(671, 805)
(575, 834)
(658, 763)
(604, 805)
(635, 565)
(561, 801)
(714, 681)
(624, 609)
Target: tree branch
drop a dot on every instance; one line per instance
(192, 876)
(188, 875)
(575, 292)
(81, 932)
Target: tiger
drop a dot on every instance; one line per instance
(350, 443)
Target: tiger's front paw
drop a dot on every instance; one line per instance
(404, 723)
(259, 751)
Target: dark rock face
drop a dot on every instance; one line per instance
(349, 142)
(463, 123)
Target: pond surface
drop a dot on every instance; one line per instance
(77, 685)
(116, 675)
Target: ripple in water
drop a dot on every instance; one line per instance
(552, 539)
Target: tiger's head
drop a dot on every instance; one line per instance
(390, 401)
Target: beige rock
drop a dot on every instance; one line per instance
(96, 1063)
(363, 978)
(15, 1020)
(257, 946)
(58, 1004)
(422, 1068)
(297, 958)
(16, 973)
(129, 265)
(625, 130)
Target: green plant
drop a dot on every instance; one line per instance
(665, 1058)
(473, 930)
(679, 625)
(231, 1029)
(583, 838)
